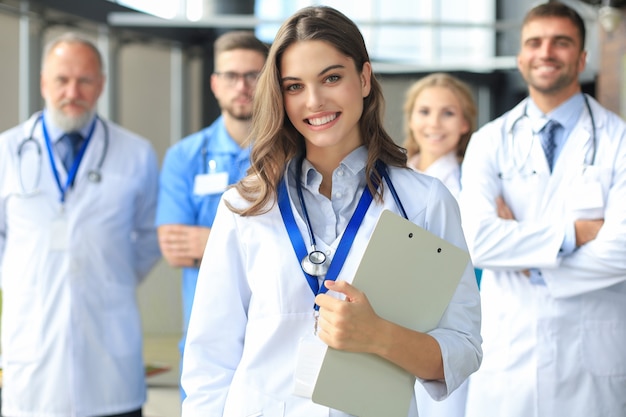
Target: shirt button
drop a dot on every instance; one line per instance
(338, 195)
(340, 172)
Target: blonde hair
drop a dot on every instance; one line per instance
(461, 91)
(276, 140)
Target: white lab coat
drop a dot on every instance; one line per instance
(253, 305)
(71, 331)
(555, 349)
(448, 170)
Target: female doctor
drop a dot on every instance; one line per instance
(318, 134)
(552, 243)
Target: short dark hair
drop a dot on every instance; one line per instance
(239, 39)
(557, 9)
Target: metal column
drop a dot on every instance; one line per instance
(30, 35)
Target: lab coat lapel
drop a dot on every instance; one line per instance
(93, 153)
(578, 148)
(568, 166)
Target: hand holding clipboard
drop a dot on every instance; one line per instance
(409, 276)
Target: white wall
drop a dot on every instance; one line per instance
(144, 97)
(9, 71)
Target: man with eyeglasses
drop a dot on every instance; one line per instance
(197, 170)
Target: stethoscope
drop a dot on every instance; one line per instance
(94, 175)
(316, 263)
(524, 115)
(208, 167)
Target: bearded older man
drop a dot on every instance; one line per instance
(77, 204)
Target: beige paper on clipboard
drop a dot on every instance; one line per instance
(409, 276)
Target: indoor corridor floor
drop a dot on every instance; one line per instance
(163, 392)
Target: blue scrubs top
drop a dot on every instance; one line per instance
(177, 202)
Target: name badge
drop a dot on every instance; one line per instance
(213, 183)
(58, 234)
(311, 353)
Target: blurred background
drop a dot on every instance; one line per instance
(158, 56)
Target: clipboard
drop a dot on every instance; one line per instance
(409, 276)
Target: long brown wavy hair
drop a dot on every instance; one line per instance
(276, 140)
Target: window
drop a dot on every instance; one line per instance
(431, 33)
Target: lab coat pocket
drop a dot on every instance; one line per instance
(247, 401)
(588, 191)
(266, 413)
(603, 347)
(21, 335)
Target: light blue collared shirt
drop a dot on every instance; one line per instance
(567, 114)
(348, 181)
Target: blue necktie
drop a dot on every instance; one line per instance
(71, 145)
(549, 142)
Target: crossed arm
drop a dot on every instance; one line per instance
(586, 230)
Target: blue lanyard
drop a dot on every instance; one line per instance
(71, 176)
(345, 243)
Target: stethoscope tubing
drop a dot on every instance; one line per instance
(94, 175)
(382, 170)
(511, 131)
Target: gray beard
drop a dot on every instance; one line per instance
(67, 123)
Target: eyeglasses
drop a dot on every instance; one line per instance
(232, 78)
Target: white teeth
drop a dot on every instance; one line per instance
(322, 120)
(435, 137)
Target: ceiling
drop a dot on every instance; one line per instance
(75, 12)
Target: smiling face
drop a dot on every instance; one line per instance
(71, 83)
(551, 57)
(323, 96)
(437, 122)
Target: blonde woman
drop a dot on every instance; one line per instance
(440, 117)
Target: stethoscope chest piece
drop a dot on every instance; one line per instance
(315, 263)
(94, 176)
